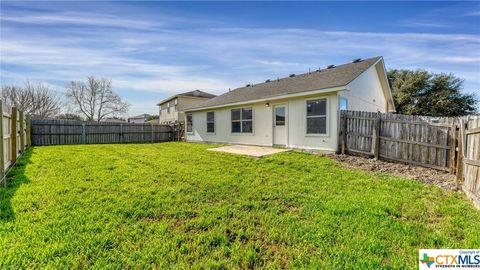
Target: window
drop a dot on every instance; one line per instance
(168, 107)
(280, 116)
(210, 122)
(160, 110)
(189, 123)
(343, 104)
(242, 120)
(317, 116)
(176, 105)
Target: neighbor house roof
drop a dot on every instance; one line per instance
(141, 116)
(195, 93)
(317, 80)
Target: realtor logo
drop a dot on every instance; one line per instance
(449, 258)
(427, 260)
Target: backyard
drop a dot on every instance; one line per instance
(177, 205)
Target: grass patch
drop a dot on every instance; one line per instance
(176, 205)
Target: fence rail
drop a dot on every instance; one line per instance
(59, 132)
(14, 137)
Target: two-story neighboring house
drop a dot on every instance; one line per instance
(171, 109)
(139, 119)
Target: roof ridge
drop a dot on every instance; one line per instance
(296, 76)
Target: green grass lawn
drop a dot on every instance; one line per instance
(176, 205)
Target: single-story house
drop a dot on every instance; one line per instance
(171, 109)
(299, 111)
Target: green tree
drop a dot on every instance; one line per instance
(419, 92)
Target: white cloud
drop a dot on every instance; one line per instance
(149, 57)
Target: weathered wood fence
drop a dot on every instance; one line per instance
(468, 162)
(60, 132)
(14, 137)
(443, 143)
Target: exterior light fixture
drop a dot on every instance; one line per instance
(267, 104)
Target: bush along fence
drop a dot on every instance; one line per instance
(443, 143)
(61, 132)
(14, 138)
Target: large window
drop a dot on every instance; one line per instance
(189, 122)
(210, 122)
(242, 120)
(317, 116)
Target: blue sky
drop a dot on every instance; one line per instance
(152, 50)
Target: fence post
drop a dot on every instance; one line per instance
(28, 131)
(453, 146)
(344, 133)
(2, 149)
(13, 134)
(84, 134)
(461, 138)
(151, 127)
(121, 133)
(178, 133)
(22, 132)
(376, 137)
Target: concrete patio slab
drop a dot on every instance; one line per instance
(249, 150)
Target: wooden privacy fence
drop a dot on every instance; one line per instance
(443, 143)
(14, 137)
(58, 132)
(468, 157)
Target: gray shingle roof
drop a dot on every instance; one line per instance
(325, 78)
(195, 93)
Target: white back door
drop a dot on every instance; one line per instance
(280, 125)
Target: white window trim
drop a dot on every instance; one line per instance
(253, 122)
(327, 122)
(214, 122)
(186, 123)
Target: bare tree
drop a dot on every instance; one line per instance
(95, 98)
(34, 98)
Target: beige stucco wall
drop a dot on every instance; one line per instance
(263, 125)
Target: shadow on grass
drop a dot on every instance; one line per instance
(15, 178)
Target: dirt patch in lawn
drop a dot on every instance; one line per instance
(425, 175)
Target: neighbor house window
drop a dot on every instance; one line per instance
(343, 104)
(189, 123)
(210, 122)
(242, 120)
(160, 110)
(168, 107)
(317, 116)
